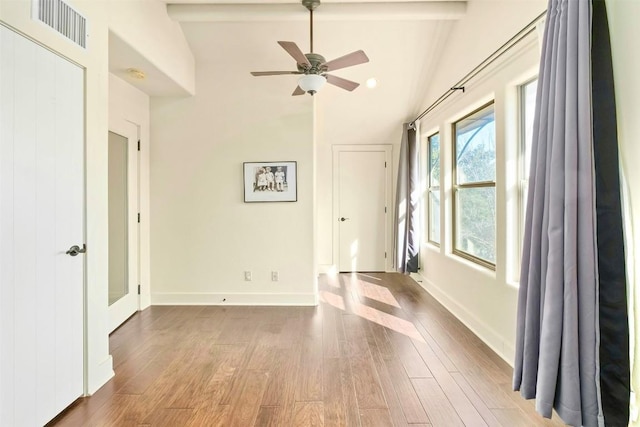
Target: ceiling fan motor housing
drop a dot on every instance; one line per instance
(316, 61)
(313, 67)
(311, 4)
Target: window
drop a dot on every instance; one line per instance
(527, 102)
(433, 208)
(474, 186)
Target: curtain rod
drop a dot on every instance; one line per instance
(484, 64)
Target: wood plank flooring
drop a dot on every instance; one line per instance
(377, 351)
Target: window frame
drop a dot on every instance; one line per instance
(433, 189)
(523, 182)
(455, 187)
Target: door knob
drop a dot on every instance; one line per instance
(75, 250)
(343, 219)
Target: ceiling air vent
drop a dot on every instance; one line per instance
(62, 18)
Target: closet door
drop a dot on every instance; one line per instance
(123, 222)
(41, 220)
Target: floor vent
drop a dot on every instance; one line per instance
(62, 18)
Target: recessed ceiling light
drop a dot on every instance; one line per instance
(371, 83)
(135, 73)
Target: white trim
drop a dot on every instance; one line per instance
(331, 11)
(144, 298)
(220, 298)
(129, 304)
(490, 337)
(388, 233)
(327, 269)
(332, 269)
(100, 374)
(130, 105)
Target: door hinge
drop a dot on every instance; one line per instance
(385, 164)
(385, 209)
(138, 289)
(138, 217)
(385, 255)
(138, 145)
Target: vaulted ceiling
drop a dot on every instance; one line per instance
(403, 40)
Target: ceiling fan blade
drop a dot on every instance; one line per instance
(273, 73)
(340, 82)
(293, 50)
(353, 58)
(298, 91)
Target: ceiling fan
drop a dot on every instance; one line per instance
(313, 67)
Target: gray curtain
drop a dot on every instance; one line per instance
(407, 215)
(557, 335)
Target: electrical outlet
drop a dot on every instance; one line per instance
(247, 276)
(275, 276)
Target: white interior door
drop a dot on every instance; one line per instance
(362, 195)
(123, 222)
(41, 218)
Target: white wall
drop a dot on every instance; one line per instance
(625, 36)
(483, 299)
(371, 116)
(130, 104)
(487, 25)
(327, 259)
(135, 21)
(18, 15)
(203, 236)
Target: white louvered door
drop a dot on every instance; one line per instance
(41, 217)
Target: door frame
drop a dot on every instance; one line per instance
(387, 150)
(119, 126)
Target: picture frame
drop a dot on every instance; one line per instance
(270, 181)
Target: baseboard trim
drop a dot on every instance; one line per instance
(144, 301)
(99, 376)
(176, 298)
(489, 336)
(332, 269)
(327, 269)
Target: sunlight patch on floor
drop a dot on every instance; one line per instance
(332, 299)
(388, 321)
(381, 318)
(376, 292)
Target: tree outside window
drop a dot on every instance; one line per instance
(474, 202)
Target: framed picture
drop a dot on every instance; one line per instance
(270, 182)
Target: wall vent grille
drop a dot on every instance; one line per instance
(62, 18)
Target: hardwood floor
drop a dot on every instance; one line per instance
(378, 351)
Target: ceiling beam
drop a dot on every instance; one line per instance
(356, 11)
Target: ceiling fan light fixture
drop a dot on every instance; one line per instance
(313, 66)
(311, 83)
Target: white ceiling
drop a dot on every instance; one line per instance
(403, 41)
